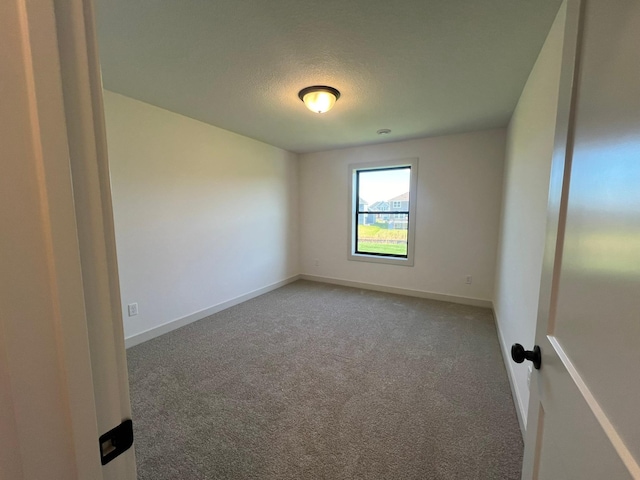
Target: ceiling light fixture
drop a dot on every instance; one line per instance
(319, 98)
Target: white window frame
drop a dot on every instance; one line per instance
(353, 205)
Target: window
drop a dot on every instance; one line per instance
(384, 231)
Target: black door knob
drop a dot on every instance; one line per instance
(519, 355)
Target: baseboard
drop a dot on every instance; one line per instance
(476, 302)
(506, 356)
(154, 332)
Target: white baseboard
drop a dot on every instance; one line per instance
(154, 332)
(476, 302)
(506, 356)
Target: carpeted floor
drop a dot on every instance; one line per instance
(316, 381)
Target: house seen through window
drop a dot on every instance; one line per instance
(383, 211)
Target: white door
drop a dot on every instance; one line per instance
(584, 413)
(63, 377)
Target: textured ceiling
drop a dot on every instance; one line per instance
(417, 67)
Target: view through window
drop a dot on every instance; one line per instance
(382, 216)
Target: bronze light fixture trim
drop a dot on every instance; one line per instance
(319, 98)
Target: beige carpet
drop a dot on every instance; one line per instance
(317, 381)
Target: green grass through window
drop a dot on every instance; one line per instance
(388, 248)
(374, 239)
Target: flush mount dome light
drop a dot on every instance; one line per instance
(319, 98)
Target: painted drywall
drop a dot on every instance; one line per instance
(458, 214)
(526, 187)
(202, 215)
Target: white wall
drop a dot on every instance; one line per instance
(458, 213)
(526, 187)
(202, 215)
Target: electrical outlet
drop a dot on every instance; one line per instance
(468, 280)
(133, 309)
(529, 372)
(316, 262)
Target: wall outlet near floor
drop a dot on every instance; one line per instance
(529, 372)
(468, 279)
(133, 309)
(316, 262)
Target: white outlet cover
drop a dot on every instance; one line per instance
(133, 309)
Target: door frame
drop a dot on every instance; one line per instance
(86, 131)
(556, 212)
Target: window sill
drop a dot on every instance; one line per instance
(360, 257)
